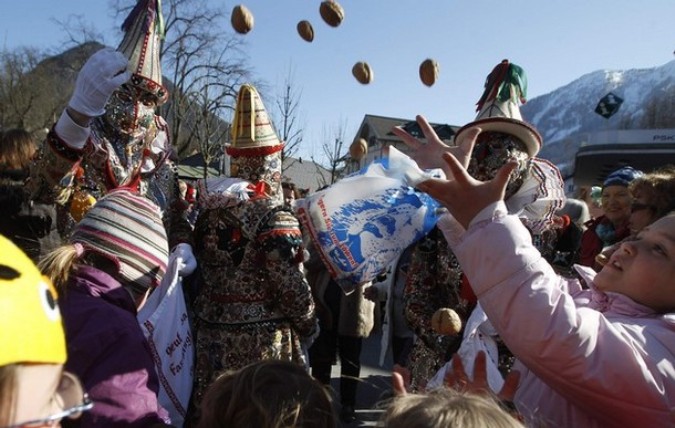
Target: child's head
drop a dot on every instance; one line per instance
(653, 197)
(122, 234)
(17, 148)
(615, 197)
(644, 268)
(267, 394)
(33, 385)
(290, 192)
(446, 408)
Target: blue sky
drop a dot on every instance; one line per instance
(554, 41)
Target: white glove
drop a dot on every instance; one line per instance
(103, 72)
(185, 259)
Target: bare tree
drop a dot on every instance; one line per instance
(288, 105)
(78, 31)
(210, 132)
(334, 151)
(29, 99)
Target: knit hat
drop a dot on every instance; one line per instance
(252, 130)
(128, 229)
(622, 177)
(144, 31)
(498, 109)
(30, 322)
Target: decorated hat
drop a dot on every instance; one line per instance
(127, 229)
(498, 109)
(143, 33)
(31, 330)
(252, 131)
(622, 177)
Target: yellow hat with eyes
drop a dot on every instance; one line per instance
(31, 329)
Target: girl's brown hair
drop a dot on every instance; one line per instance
(267, 394)
(658, 187)
(17, 148)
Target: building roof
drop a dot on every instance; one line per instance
(192, 168)
(378, 128)
(600, 153)
(305, 173)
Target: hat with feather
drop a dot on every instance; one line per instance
(498, 109)
(143, 35)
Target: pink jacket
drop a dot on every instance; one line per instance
(588, 358)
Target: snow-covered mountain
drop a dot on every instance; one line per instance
(570, 110)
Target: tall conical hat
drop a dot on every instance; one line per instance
(252, 131)
(498, 109)
(144, 31)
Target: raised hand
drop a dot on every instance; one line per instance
(457, 378)
(186, 260)
(463, 195)
(429, 155)
(100, 76)
(400, 379)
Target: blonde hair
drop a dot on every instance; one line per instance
(58, 264)
(446, 408)
(267, 394)
(8, 388)
(17, 148)
(61, 262)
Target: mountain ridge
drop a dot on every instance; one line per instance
(568, 111)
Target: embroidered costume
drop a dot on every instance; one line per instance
(125, 145)
(254, 302)
(534, 193)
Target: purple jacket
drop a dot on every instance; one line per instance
(109, 353)
(589, 358)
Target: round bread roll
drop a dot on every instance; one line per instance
(429, 70)
(331, 12)
(242, 19)
(446, 321)
(362, 72)
(358, 149)
(306, 31)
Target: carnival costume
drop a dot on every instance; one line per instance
(126, 144)
(535, 192)
(254, 302)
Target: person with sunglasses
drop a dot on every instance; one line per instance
(35, 391)
(653, 197)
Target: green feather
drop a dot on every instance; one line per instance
(514, 84)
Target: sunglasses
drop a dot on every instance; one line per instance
(637, 206)
(75, 401)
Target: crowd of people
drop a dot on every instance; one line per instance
(565, 320)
